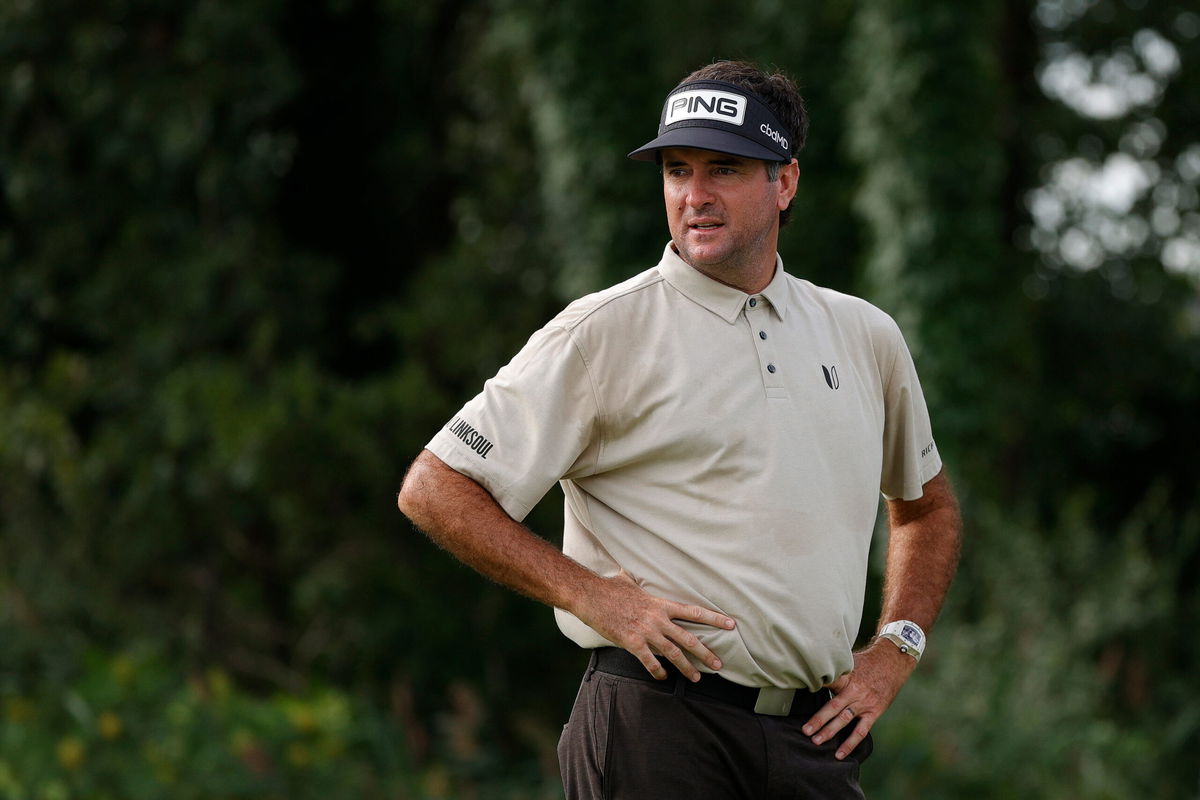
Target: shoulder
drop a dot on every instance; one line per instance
(612, 306)
(868, 329)
(847, 310)
(575, 331)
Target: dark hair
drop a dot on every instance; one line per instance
(775, 89)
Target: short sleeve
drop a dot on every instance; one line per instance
(534, 423)
(910, 455)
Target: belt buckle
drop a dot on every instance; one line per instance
(774, 701)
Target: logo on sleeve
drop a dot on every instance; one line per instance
(929, 448)
(471, 437)
(831, 376)
(706, 104)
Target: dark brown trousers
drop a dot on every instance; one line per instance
(631, 739)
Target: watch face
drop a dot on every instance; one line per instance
(909, 634)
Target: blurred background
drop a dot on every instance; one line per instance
(254, 254)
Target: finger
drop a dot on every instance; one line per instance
(832, 728)
(651, 663)
(702, 615)
(829, 719)
(853, 740)
(688, 641)
(673, 653)
(825, 713)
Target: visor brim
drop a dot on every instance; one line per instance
(705, 138)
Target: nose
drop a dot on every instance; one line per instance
(698, 193)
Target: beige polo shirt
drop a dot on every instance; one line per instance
(724, 449)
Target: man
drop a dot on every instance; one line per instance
(722, 431)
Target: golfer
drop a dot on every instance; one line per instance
(722, 431)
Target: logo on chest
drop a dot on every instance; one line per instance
(831, 376)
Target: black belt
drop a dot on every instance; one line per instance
(615, 661)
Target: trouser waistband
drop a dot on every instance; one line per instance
(768, 700)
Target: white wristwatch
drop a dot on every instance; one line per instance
(906, 635)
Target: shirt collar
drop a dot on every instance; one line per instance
(724, 301)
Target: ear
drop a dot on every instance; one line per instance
(789, 180)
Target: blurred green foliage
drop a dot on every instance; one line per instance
(254, 254)
(129, 726)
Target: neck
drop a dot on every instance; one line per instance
(749, 277)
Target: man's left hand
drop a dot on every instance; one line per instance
(862, 694)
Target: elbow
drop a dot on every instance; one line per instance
(408, 499)
(422, 488)
(431, 490)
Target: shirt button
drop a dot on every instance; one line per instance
(753, 302)
(762, 334)
(771, 368)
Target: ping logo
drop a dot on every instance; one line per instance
(706, 104)
(831, 376)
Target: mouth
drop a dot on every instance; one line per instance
(705, 225)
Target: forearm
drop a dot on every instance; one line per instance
(922, 557)
(463, 518)
(923, 549)
(460, 516)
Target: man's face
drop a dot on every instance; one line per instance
(722, 210)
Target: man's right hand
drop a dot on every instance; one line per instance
(459, 515)
(628, 616)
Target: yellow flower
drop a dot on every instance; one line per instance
(109, 725)
(299, 755)
(301, 716)
(242, 740)
(437, 781)
(19, 709)
(70, 752)
(166, 774)
(123, 669)
(219, 684)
